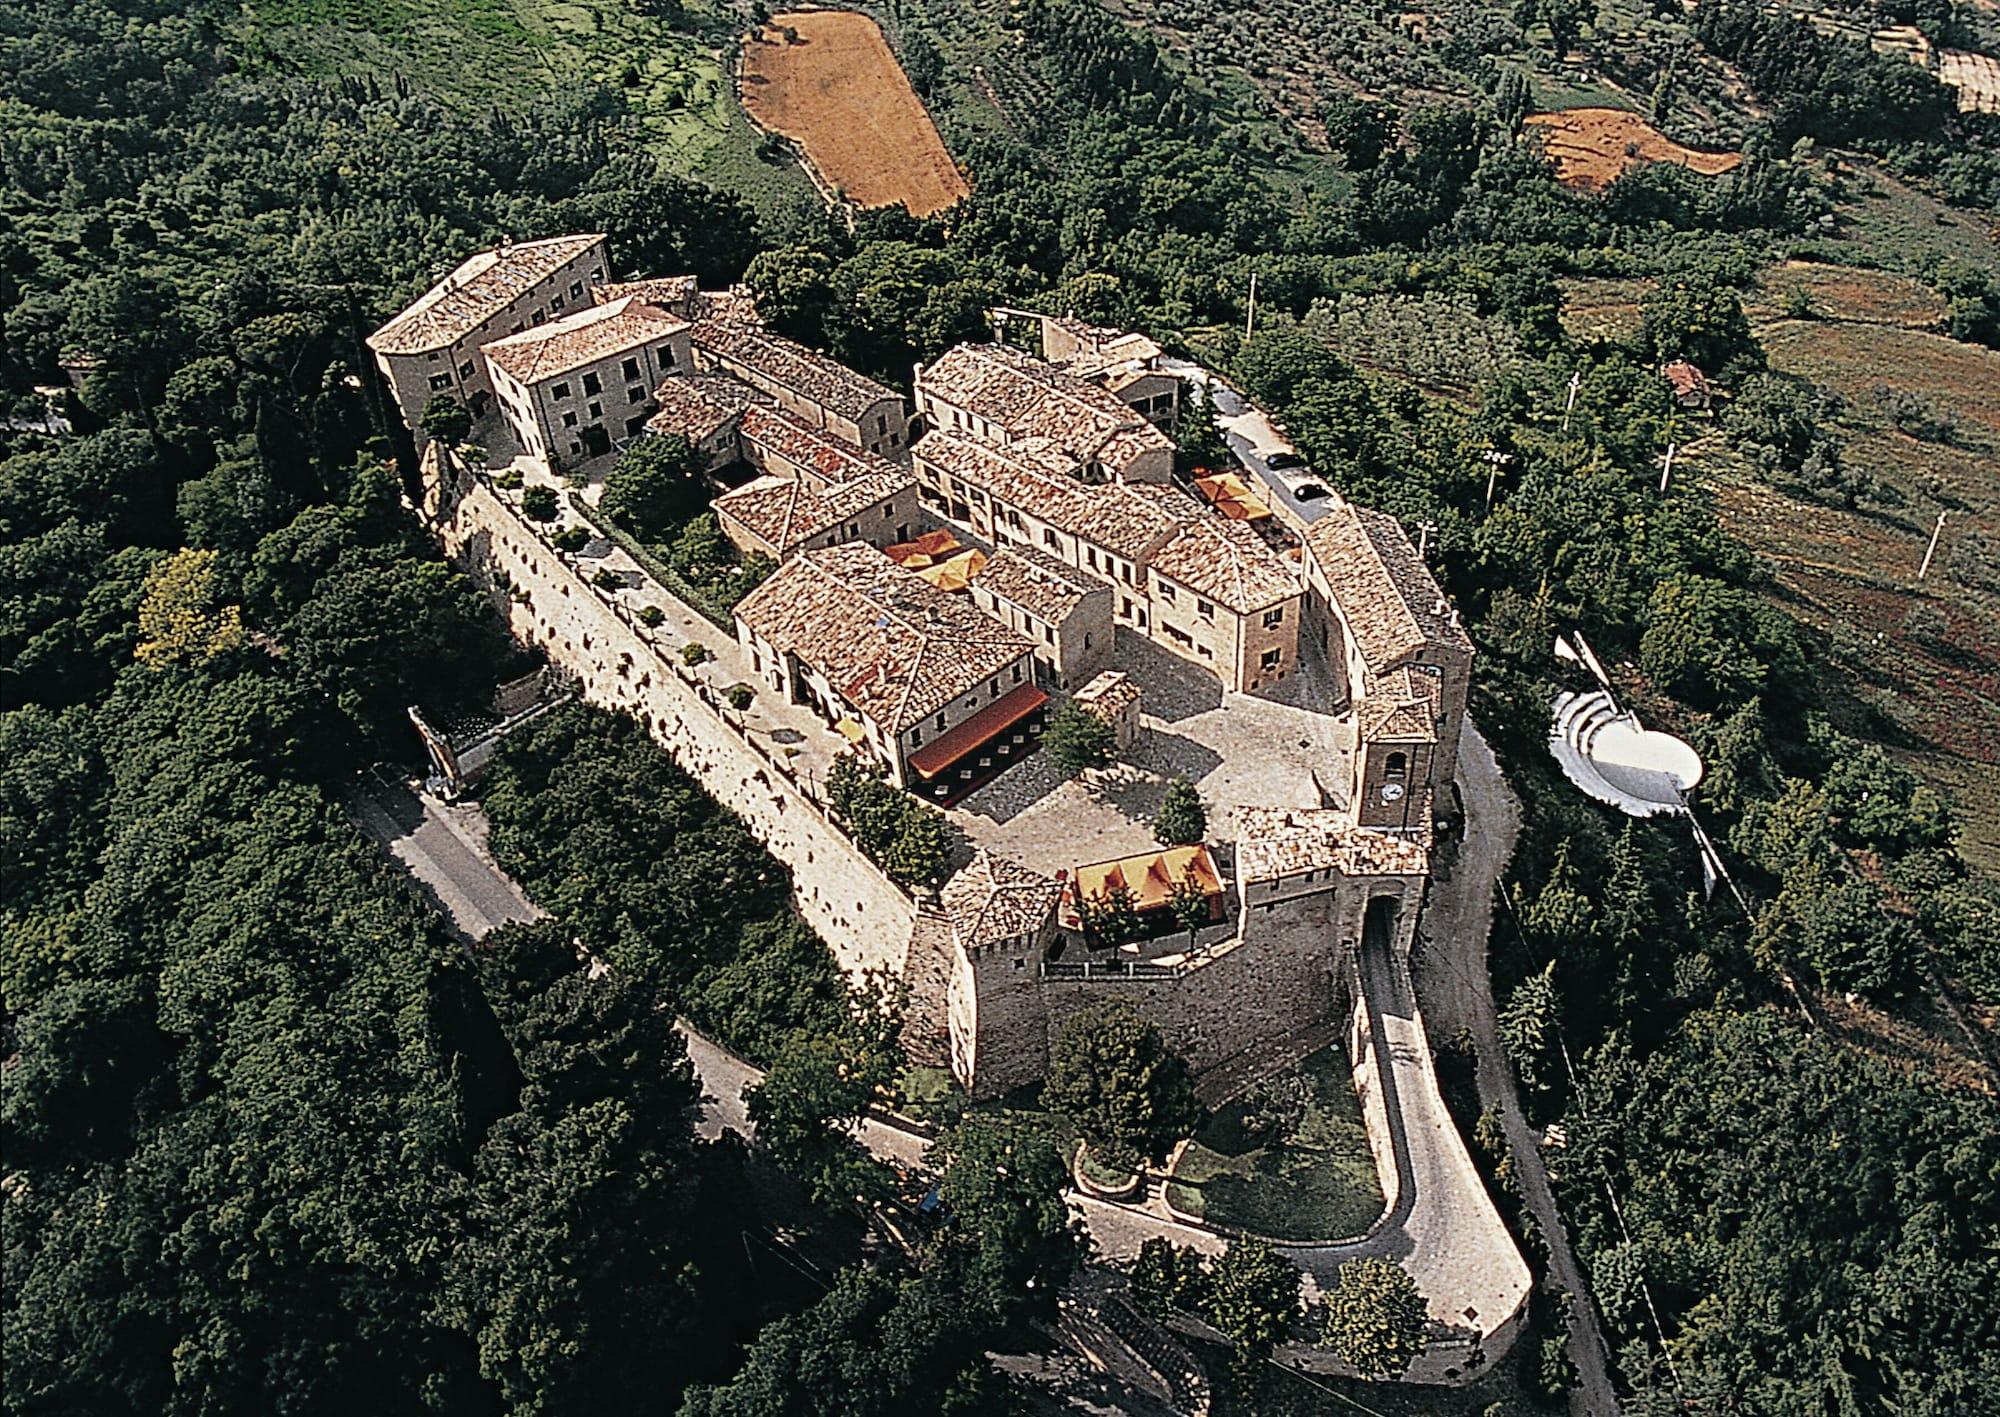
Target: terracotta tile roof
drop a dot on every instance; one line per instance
(576, 340)
(1030, 398)
(773, 360)
(828, 455)
(1273, 843)
(1128, 519)
(787, 512)
(697, 406)
(894, 646)
(1402, 706)
(1228, 563)
(1036, 582)
(1109, 694)
(1386, 594)
(994, 899)
(481, 287)
(1687, 380)
(678, 294)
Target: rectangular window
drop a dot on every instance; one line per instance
(1274, 618)
(465, 370)
(916, 737)
(940, 723)
(591, 385)
(569, 418)
(1272, 659)
(1051, 540)
(1017, 674)
(1204, 609)
(1166, 592)
(441, 381)
(432, 356)
(555, 303)
(539, 317)
(666, 356)
(636, 394)
(596, 409)
(631, 368)
(575, 289)
(560, 391)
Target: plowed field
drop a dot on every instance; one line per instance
(1592, 146)
(839, 93)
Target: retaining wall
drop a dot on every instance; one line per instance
(549, 603)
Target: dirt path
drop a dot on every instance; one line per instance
(1457, 992)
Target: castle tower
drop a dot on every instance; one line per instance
(1002, 919)
(1395, 753)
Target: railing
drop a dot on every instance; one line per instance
(1121, 969)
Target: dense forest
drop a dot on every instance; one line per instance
(275, 1142)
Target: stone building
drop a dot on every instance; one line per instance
(1387, 628)
(1122, 362)
(1006, 397)
(569, 389)
(1067, 613)
(779, 517)
(815, 389)
(705, 409)
(432, 347)
(943, 696)
(1224, 598)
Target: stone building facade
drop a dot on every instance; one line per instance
(570, 389)
(432, 347)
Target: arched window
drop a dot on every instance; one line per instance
(1397, 767)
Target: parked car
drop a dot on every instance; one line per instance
(1285, 461)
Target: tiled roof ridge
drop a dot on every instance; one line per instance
(422, 326)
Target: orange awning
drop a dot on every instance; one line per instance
(976, 732)
(925, 550)
(1151, 877)
(955, 572)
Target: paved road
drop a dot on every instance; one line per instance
(441, 846)
(1458, 991)
(1251, 434)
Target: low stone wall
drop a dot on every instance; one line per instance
(550, 604)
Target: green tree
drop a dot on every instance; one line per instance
(1696, 318)
(1076, 738)
(1004, 1186)
(819, 1085)
(1183, 821)
(919, 852)
(446, 419)
(1253, 1296)
(1528, 1027)
(1111, 917)
(1113, 1074)
(1189, 903)
(1358, 129)
(657, 483)
(1168, 1277)
(1376, 1321)
(539, 503)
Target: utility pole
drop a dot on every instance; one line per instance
(1668, 471)
(1494, 458)
(1569, 406)
(1250, 319)
(1931, 550)
(1424, 530)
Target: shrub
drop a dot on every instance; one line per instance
(1077, 739)
(739, 696)
(539, 502)
(572, 539)
(652, 616)
(693, 653)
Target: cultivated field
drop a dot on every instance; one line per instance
(1592, 146)
(1920, 657)
(839, 93)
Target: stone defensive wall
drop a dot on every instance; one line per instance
(622, 664)
(1285, 969)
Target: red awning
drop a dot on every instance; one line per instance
(982, 728)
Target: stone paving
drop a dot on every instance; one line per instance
(1282, 748)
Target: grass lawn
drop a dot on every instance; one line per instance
(1318, 1186)
(485, 54)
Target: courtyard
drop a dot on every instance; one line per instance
(1284, 747)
